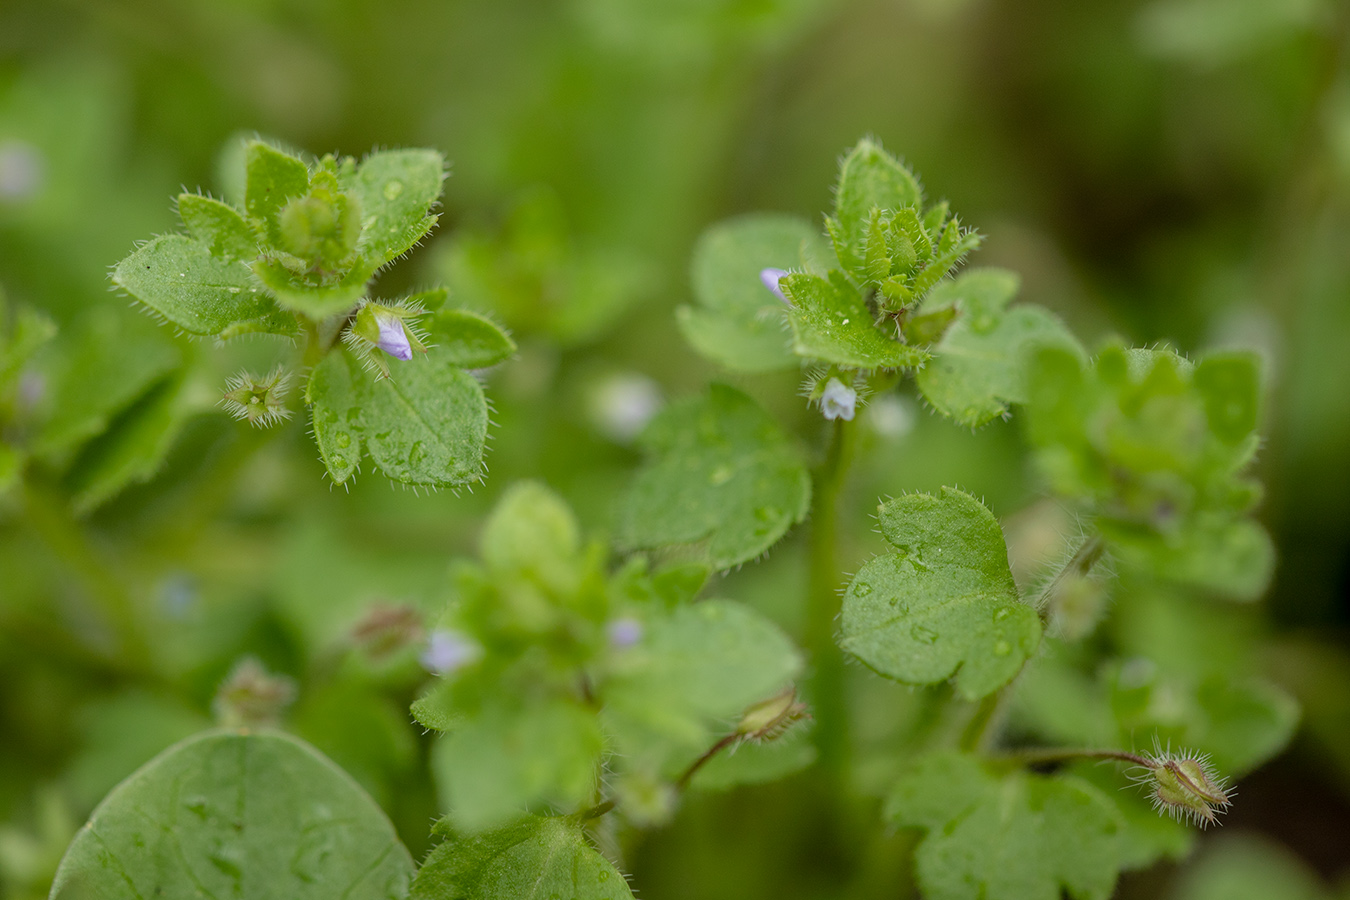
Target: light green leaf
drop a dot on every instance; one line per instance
(1234, 558)
(831, 323)
(98, 371)
(20, 337)
(274, 177)
(131, 450)
(469, 339)
(226, 814)
(695, 670)
(979, 365)
(495, 765)
(736, 321)
(397, 189)
(536, 859)
(1015, 837)
(532, 531)
(219, 226)
(316, 300)
(720, 472)
(426, 425)
(182, 281)
(1249, 866)
(334, 394)
(944, 602)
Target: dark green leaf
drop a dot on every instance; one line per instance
(334, 393)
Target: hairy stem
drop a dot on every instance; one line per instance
(1084, 558)
(699, 763)
(1062, 754)
(827, 683)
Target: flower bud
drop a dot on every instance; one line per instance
(259, 400)
(624, 632)
(770, 278)
(1185, 785)
(448, 651)
(251, 696)
(385, 630)
(767, 719)
(386, 327)
(838, 401)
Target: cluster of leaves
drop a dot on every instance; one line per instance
(562, 680)
(1154, 447)
(877, 295)
(296, 257)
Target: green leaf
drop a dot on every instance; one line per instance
(532, 531)
(219, 226)
(274, 177)
(870, 177)
(831, 323)
(1233, 558)
(536, 859)
(736, 321)
(469, 339)
(316, 300)
(979, 365)
(1231, 386)
(496, 764)
(181, 280)
(1015, 837)
(1249, 866)
(334, 394)
(20, 338)
(757, 763)
(721, 473)
(131, 450)
(944, 602)
(226, 814)
(98, 371)
(396, 189)
(425, 425)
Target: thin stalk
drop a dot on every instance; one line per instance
(827, 682)
(1039, 756)
(703, 760)
(1084, 558)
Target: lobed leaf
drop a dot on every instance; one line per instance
(944, 602)
(720, 473)
(736, 321)
(535, 859)
(979, 365)
(236, 814)
(396, 189)
(1011, 837)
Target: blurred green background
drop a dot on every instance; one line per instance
(1171, 170)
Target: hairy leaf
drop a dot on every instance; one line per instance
(943, 603)
(870, 177)
(1015, 837)
(219, 226)
(396, 189)
(236, 814)
(334, 393)
(979, 365)
(180, 279)
(469, 339)
(274, 177)
(536, 859)
(720, 472)
(831, 323)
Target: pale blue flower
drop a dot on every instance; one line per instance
(393, 338)
(839, 401)
(448, 651)
(624, 632)
(770, 279)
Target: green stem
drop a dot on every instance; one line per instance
(827, 683)
(1038, 756)
(1084, 558)
(976, 732)
(703, 760)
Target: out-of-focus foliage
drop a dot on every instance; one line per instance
(1169, 170)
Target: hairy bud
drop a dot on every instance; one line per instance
(251, 696)
(386, 327)
(768, 719)
(1185, 785)
(261, 401)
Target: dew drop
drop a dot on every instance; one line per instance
(417, 454)
(197, 806)
(862, 589)
(343, 439)
(392, 189)
(339, 461)
(1002, 648)
(923, 634)
(1001, 614)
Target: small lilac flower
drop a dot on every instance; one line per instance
(770, 279)
(393, 338)
(448, 651)
(623, 405)
(838, 401)
(21, 170)
(624, 632)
